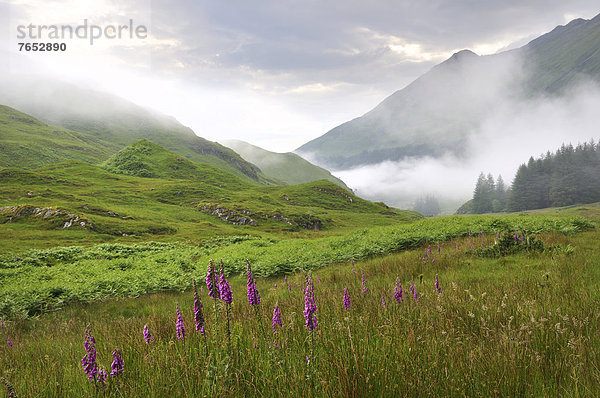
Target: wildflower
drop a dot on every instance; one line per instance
(276, 318)
(10, 343)
(211, 281)
(221, 282)
(147, 336)
(226, 294)
(346, 300)
(437, 285)
(102, 377)
(310, 308)
(2, 324)
(90, 367)
(117, 363)
(433, 261)
(276, 345)
(382, 301)
(179, 326)
(364, 283)
(253, 296)
(438, 248)
(398, 292)
(413, 290)
(198, 314)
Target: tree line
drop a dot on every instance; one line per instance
(571, 175)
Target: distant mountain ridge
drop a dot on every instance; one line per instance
(118, 122)
(288, 168)
(437, 112)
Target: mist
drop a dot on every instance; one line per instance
(510, 132)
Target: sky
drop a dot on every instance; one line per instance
(273, 73)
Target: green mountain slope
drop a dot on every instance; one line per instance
(76, 203)
(26, 142)
(286, 167)
(438, 112)
(119, 122)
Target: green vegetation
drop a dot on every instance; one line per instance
(39, 280)
(569, 176)
(178, 200)
(286, 167)
(29, 143)
(530, 317)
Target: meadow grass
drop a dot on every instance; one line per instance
(519, 325)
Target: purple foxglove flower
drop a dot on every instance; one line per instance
(179, 326)
(2, 324)
(276, 318)
(117, 363)
(438, 248)
(148, 338)
(413, 290)
(289, 287)
(382, 301)
(429, 249)
(310, 307)
(470, 233)
(221, 280)
(398, 291)
(285, 279)
(437, 285)
(211, 281)
(102, 377)
(226, 294)
(364, 283)
(10, 343)
(90, 367)
(433, 261)
(198, 314)
(253, 296)
(346, 300)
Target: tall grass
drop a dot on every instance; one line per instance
(523, 324)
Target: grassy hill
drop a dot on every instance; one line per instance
(286, 167)
(113, 120)
(168, 198)
(437, 112)
(26, 142)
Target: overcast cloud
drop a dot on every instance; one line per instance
(277, 73)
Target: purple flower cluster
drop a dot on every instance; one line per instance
(102, 376)
(310, 307)
(221, 280)
(364, 283)
(276, 318)
(253, 296)
(148, 338)
(10, 343)
(117, 363)
(398, 291)
(413, 290)
(346, 300)
(198, 314)
(179, 326)
(382, 301)
(226, 294)
(211, 281)
(437, 285)
(90, 367)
